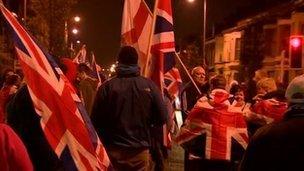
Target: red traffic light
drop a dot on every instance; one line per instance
(295, 42)
(296, 51)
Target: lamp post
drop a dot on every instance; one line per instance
(75, 19)
(204, 29)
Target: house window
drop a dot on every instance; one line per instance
(237, 48)
(270, 42)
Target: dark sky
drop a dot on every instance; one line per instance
(102, 21)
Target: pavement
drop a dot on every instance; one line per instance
(175, 160)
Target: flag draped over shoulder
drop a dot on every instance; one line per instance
(267, 111)
(64, 120)
(136, 28)
(219, 121)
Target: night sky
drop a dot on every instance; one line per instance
(100, 27)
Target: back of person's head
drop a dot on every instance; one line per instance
(7, 72)
(218, 81)
(127, 55)
(295, 90)
(12, 80)
(236, 88)
(267, 85)
(260, 74)
(84, 68)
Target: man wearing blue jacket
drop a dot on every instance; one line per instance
(126, 107)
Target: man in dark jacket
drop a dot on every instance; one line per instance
(192, 95)
(279, 146)
(23, 118)
(189, 91)
(125, 109)
(87, 86)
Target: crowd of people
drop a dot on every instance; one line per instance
(223, 128)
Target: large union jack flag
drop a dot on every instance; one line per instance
(63, 118)
(160, 64)
(219, 121)
(162, 52)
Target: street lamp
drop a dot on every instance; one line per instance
(67, 25)
(77, 19)
(75, 31)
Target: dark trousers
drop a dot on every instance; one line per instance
(129, 159)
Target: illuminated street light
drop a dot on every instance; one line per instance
(77, 19)
(112, 68)
(191, 1)
(75, 31)
(78, 42)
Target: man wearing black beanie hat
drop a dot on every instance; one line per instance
(127, 55)
(125, 109)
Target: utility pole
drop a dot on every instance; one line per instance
(204, 33)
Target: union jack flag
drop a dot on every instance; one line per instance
(267, 111)
(162, 54)
(173, 82)
(161, 61)
(63, 118)
(219, 122)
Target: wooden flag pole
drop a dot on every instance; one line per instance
(188, 74)
(146, 72)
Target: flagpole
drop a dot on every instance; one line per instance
(188, 74)
(150, 40)
(148, 8)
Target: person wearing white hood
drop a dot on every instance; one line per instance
(280, 146)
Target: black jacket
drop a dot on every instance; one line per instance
(278, 146)
(26, 123)
(192, 95)
(124, 110)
